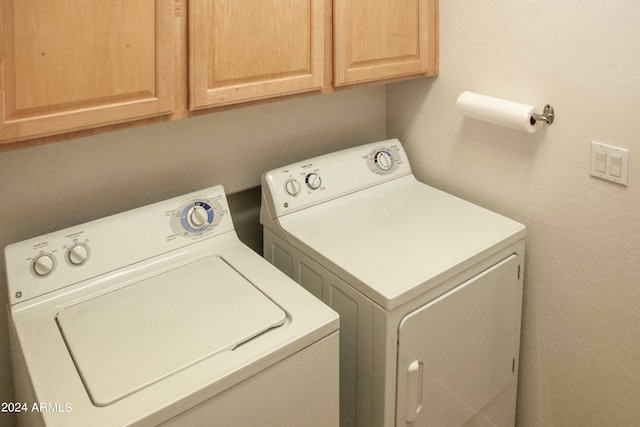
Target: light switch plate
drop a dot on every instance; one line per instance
(610, 163)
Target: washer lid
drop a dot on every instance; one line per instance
(128, 339)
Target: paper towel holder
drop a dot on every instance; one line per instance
(547, 115)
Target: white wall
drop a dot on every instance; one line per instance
(580, 359)
(43, 189)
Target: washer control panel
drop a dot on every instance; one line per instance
(56, 260)
(72, 250)
(316, 180)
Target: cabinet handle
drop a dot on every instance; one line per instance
(414, 391)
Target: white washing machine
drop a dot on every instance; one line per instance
(161, 316)
(428, 286)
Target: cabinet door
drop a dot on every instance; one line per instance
(243, 50)
(381, 39)
(76, 64)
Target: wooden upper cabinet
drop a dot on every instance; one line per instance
(382, 39)
(72, 65)
(245, 50)
(76, 64)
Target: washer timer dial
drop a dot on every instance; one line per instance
(196, 217)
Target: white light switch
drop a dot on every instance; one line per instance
(609, 162)
(601, 161)
(616, 166)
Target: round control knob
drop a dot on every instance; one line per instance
(78, 254)
(313, 181)
(384, 160)
(43, 265)
(198, 217)
(292, 187)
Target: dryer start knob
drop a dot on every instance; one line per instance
(292, 187)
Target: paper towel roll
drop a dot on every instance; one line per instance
(497, 111)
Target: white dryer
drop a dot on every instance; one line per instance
(161, 316)
(428, 286)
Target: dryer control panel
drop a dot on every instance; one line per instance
(320, 179)
(56, 260)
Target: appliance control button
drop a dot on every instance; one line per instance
(384, 160)
(43, 265)
(198, 217)
(292, 187)
(78, 254)
(313, 181)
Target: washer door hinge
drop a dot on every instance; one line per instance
(518, 271)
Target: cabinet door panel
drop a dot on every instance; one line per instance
(378, 39)
(244, 50)
(74, 64)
